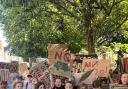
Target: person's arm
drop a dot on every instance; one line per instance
(110, 79)
(51, 77)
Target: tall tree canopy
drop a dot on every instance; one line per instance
(31, 24)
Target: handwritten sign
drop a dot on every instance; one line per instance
(61, 69)
(117, 86)
(41, 69)
(58, 52)
(4, 74)
(13, 66)
(101, 69)
(101, 66)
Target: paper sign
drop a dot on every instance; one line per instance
(117, 86)
(61, 69)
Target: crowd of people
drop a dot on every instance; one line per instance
(30, 82)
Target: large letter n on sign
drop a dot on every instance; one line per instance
(87, 64)
(58, 55)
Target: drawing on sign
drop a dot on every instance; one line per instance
(62, 66)
(61, 69)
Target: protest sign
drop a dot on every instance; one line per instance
(23, 68)
(118, 86)
(41, 69)
(61, 69)
(13, 66)
(101, 69)
(4, 74)
(101, 66)
(58, 52)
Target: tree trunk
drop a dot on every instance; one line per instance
(88, 16)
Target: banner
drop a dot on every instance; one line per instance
(118, 86)
(61, 69)
(4, 74)
(13, 66)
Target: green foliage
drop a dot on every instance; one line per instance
(30, 25)
(122, 47)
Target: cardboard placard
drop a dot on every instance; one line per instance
(101, 69)
(101, 66)
(118, 86)
(58, 52)
(61, 69)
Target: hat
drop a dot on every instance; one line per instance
(19, 77)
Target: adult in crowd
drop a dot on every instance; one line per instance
(68, 85)
(28, 82)
(124, 79)
(34, 82)
(97, 84)
(83, 86)
(19, 78)
(40, 85)
(58, 84)
(3, 85)
(18, 85)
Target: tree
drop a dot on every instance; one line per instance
(96, 16)
(78, 23)
(30, 29)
